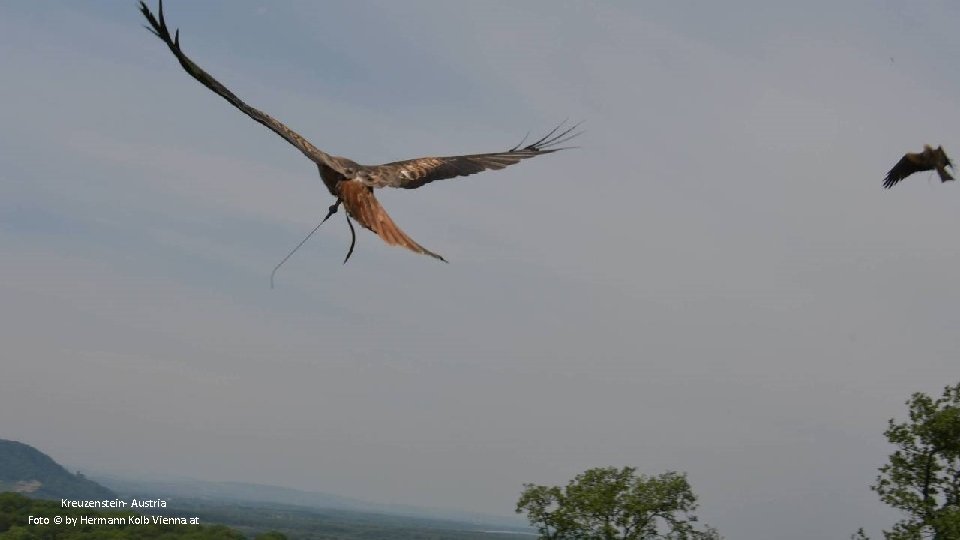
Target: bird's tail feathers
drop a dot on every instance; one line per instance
(362, 206)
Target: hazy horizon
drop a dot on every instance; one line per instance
(714, 282)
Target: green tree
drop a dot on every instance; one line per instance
(610, 503)
(922, 477)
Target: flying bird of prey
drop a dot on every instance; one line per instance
(931, 158)
(352, 183)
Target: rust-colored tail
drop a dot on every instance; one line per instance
(362, 206)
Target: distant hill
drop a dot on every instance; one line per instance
(259, 494)
(252, 510)
(15, 510)
(26, 470)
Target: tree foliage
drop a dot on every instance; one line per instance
(922, 477)
(610, 503)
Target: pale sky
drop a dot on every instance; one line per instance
(714, 282)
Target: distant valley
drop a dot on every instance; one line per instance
(251, 509)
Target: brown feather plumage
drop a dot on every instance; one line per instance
(413, 173)
(349, 181)
(363, 207)
(927, 160)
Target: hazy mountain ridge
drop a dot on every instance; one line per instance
(244, 492)
(26, 470)
(251, 508)
(306, 523)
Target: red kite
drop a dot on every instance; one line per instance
(352, 183)
(927, 160)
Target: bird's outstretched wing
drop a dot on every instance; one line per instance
(908, 164)
(362, 206)
(413, 173)
(159, 28)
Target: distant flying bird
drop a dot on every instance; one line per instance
(928, 160)
(352, 183)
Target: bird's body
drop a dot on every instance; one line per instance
(930, 159)
(361, 205)
(352, 183)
